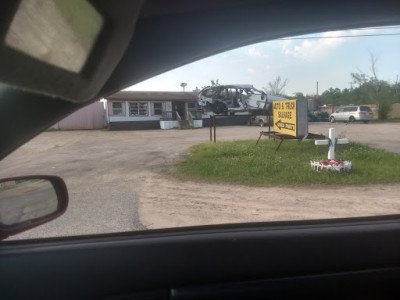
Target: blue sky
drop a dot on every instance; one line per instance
(329, 59)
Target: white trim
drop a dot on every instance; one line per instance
(111, 109)
(138, 103)
(153, 109)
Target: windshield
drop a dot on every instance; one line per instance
(163, 154)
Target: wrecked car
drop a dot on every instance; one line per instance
(228, 99)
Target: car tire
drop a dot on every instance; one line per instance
(351, 119)
(261, 123)
(332, 120)
(366, 122)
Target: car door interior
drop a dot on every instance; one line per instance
(355, 258)
(336, 259)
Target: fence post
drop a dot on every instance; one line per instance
(211, 122)
(215, 130)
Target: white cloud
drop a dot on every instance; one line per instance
(251, 70)
(310, 49)
(285, 46)
(267, 67)
(254, 52)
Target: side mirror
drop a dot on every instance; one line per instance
(29, 201)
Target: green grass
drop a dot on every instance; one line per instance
(243, 162)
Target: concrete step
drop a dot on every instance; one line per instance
(184, 124)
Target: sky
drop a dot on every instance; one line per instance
(327, 57)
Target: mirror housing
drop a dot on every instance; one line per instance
(75, 81)
(29, 201)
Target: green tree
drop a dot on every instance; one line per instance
(368, 89)
(299, 96)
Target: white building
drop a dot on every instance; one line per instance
(145, 110)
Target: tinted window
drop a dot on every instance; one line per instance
(365, 108)
(350, 109)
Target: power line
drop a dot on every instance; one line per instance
(336, 37)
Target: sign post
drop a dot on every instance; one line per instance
(290, 118)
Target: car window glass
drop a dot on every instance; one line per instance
(145, 157)
(365, 108)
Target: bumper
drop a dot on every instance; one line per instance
(364, 117)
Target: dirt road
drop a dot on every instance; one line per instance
(116, 184)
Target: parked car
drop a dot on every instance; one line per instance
(352, 113)
(315, 115)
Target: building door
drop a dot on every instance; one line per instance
(179, 107)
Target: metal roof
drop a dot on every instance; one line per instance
(153, 96)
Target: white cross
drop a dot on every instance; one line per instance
(332, 144)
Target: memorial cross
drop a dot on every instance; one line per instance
(332, 142)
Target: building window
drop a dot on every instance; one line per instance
(116, 109)
(157, 109)
(192, 105)
(138, 109)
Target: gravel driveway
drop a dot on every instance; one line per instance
(116, 184)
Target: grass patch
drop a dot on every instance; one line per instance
(242, 162)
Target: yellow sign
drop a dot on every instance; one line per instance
(285, 117)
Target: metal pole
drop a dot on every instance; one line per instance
(210, 128)
(280, 143)
(269, 124)
(259, 137)
(215, 130)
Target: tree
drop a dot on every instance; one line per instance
(214, 82)
(358, 78)
(369, 89)
(299, 96)
(276, 87)
(373, 59)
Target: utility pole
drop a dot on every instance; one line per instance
(317, 89)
